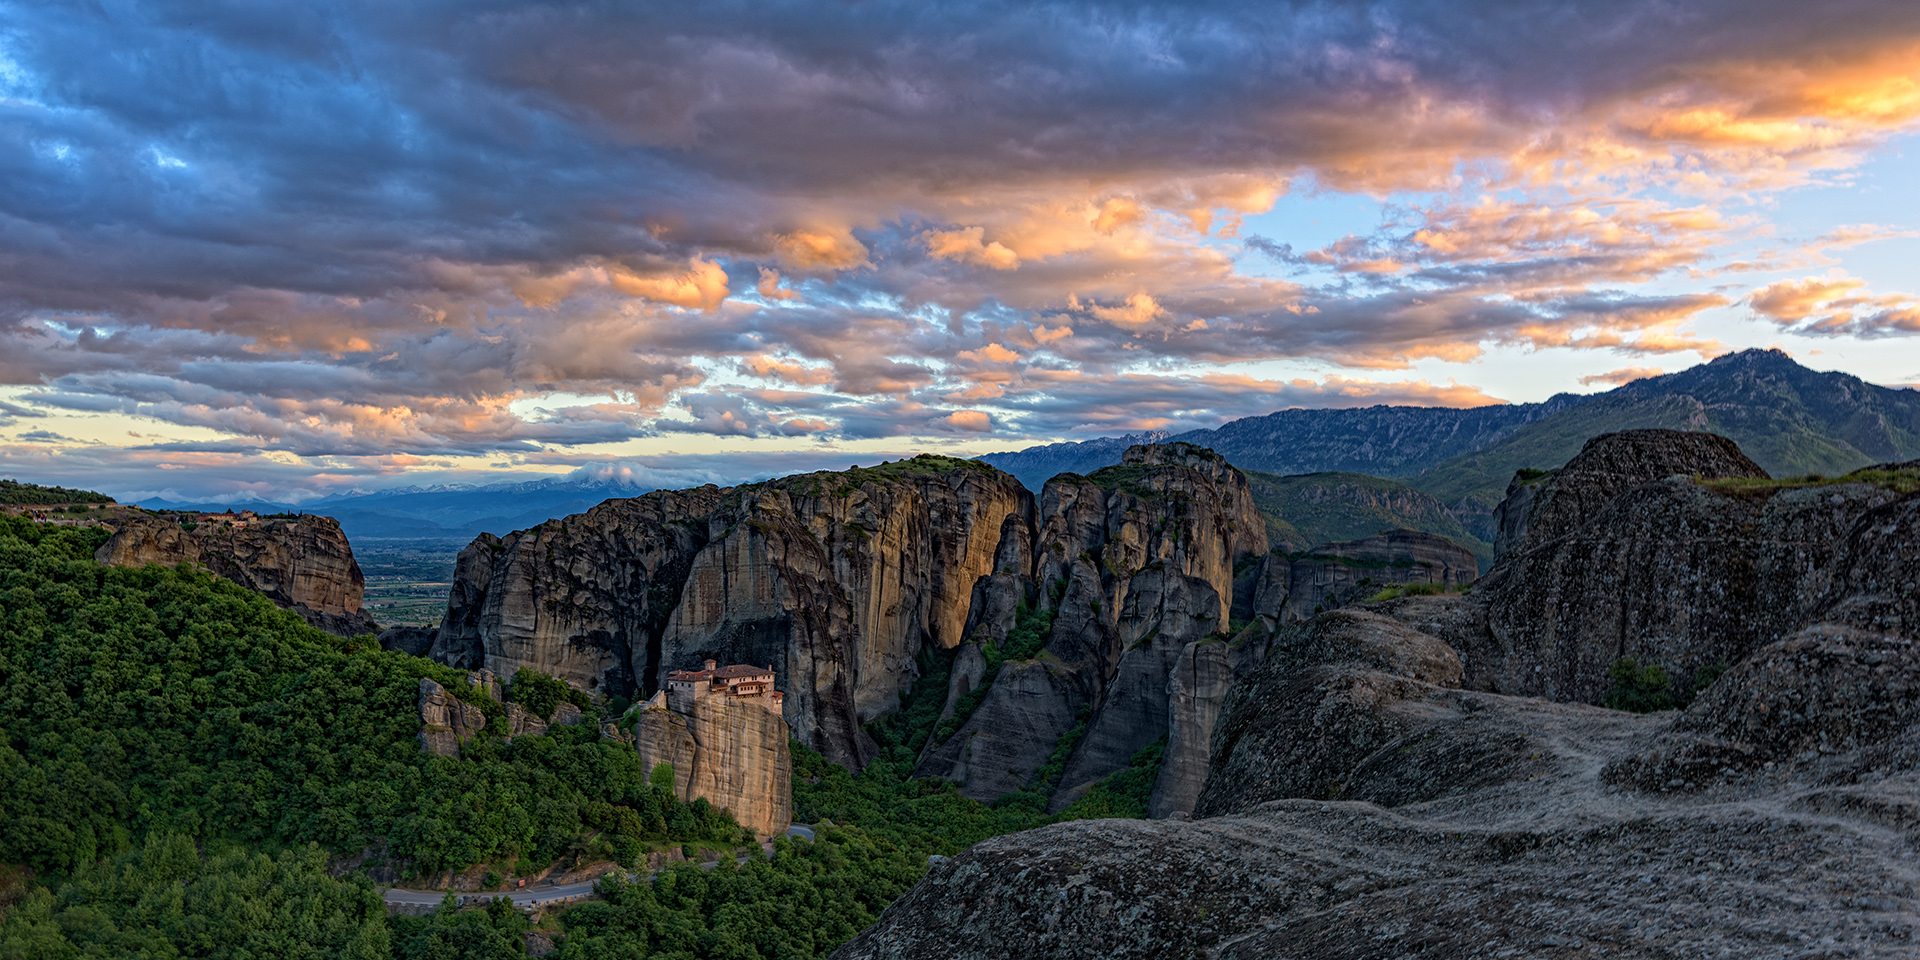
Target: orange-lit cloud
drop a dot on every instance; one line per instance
(701, 287)
(966, 246)
(1614, 378)
(1836, 305)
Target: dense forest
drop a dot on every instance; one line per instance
(188, 771)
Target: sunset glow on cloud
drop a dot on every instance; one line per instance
(346, 244)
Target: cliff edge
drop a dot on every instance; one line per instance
(303, 564)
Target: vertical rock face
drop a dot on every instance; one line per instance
(1335, 574)
(732, 750)
(840, 579)
(304, 564)
(1197, 693)
(1672, 572)
(1143, 558)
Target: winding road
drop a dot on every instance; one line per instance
(529, 897)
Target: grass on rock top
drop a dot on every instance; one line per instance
(1903, 480)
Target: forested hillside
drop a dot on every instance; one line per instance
(184, 768)
(15, 493)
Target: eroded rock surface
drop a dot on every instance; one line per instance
(302, 564)
(446, 722)
(1672, 572)
(1369, 795)
(1139, 561)
(1541, 508)
(839, 579)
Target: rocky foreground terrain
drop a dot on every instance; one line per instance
(1421, 777)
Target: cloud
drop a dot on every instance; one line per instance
(1624, 375)
(965, 246)
(1837, 305)
(430, 230)
(702, 287)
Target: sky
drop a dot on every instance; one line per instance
(281, 251)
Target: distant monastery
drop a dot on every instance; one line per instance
(686, 687)
(722, 731)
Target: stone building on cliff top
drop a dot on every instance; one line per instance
(722, 731)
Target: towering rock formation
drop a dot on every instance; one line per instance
(1143, 559)
(726, 741)
(838, 579)
(302, 564)
(1683, 572)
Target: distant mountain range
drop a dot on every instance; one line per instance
(452, 512)
(1788, 418)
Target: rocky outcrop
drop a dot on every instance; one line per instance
(1138, 561)
(1540, 507)
(1674, 572)
(1331, 692)
(446, 722)
(732, 751)
(1333, 575)
(1381, 812)
(302, 564)
(840, 579)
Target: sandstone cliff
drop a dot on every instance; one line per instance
(839, 579)
(732, 751)
(304, 564)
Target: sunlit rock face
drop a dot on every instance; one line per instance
(839, 580)
(302, 564)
